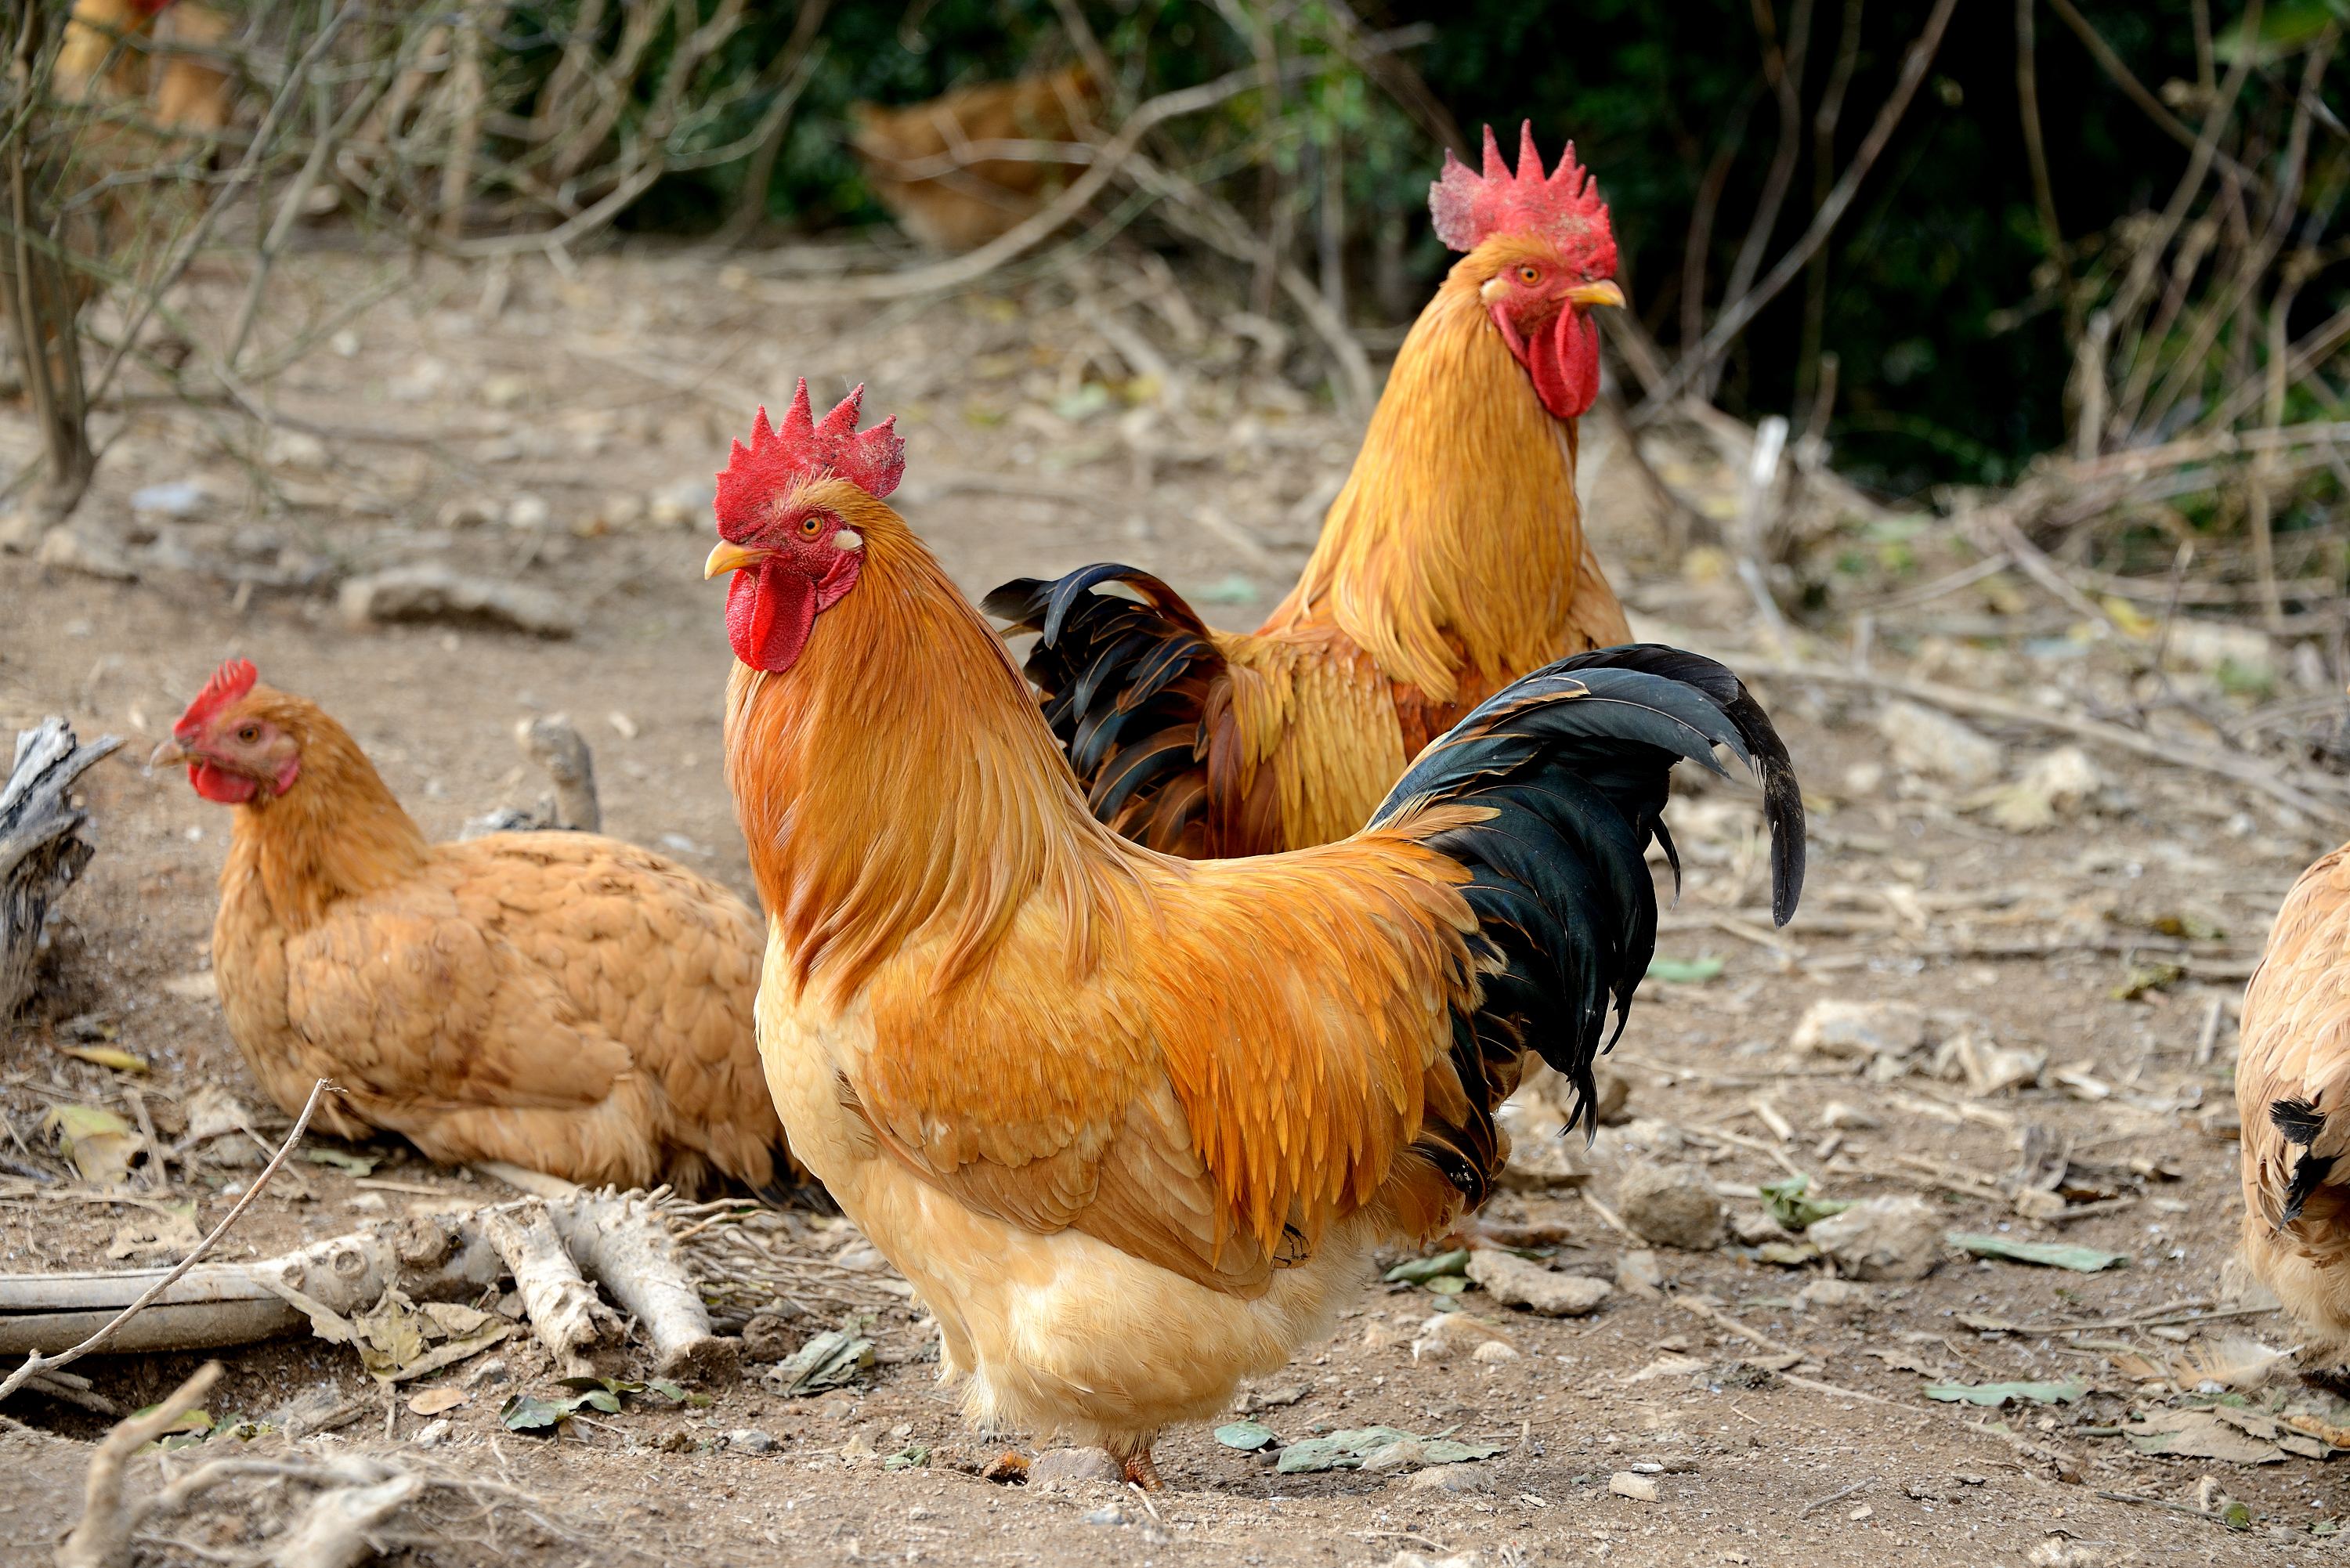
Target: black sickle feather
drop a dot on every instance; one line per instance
(2300, 1122)
(1124, 686)
(1573, 765)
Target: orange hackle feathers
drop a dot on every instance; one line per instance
(1564, 205)
(230, 684)
(802, 449)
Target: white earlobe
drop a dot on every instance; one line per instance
(849, 539)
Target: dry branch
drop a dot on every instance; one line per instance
(102, 1538)
(623, 1242)
(580, 1331)
(35, 1362)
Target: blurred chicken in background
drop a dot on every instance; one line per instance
(943, 168)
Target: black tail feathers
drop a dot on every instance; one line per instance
(1125, 687)
(2300, 1122)
(1574, 762)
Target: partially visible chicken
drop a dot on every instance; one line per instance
(560, 1000)
(106, 53)
(2292, 1096)
(1453, 561)
(1132, 1124)
(929, 164)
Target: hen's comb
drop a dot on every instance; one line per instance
(228, 685)
(1470, 208)
(803, 448)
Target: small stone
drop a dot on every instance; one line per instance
(1863, 1512)
(434, 593)
(434, 1434)
(750, 1440)
(1834, 1294)
(1448, 1477)
(1671, 1205)
(1640, 1273)
(1513, 1281)
(1396, 1456)
(528, 511)
(467, 512)
(1446, 1335)
(1882, 1239)
(1839, 1116)
(1107, 1515)
(1009, 1468)
(346, 343)
(174, 498)
(1751, 1228)
(1856, 1030)
(1493, 1353)
(71, 550)
(676, 1440)
(2052, 789)
(1928, 741)
(295, 449)
(1639, 1488)
(1069, 1467)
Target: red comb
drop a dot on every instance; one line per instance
(1471, 208)
(228, 685)
(803, 448)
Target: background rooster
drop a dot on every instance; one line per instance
(2292, 1096)
(925, 161)
(560, 1000)
(1453, 561)
(1132, 1123)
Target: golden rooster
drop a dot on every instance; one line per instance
(560, 1000)
(928, 164)
(1132, 1124)
(1452, 561)
(2292, 1096)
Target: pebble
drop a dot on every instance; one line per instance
(750, 1440)
(1513, 1281)
(1639, 1488)
(1836, 1294)
(1109, 1513)
(1857, 1031)
(434, 1434)
(1640, 1273)
(1493, 1352)
(1882, 1239)
(431, 592)
(1448, 1478)
(1928, 741)
(527, 510)
(1396, 1456)
(1671, 1205)
(1067, 1467)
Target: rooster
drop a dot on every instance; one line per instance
(2292, 1096)
(1130, 1123)
(1452, 561)
(558, 1000)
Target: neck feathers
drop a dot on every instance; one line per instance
(338, 832)
(1455, 544)
(897, 787)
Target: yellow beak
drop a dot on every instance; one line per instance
(170, 754)
(729, 557)
(1591, 293)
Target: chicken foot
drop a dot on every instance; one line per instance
(1135, 1465)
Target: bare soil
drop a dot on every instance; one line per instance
(609, 397)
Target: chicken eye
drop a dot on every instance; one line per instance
(248, 735)
(810, 527)
(1529, 275)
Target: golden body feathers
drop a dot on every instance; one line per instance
(2293, 1093)
(563, 1002)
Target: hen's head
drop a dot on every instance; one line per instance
(237, 747)
(1542, 255)
(780, 524)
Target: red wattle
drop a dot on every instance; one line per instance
(769, 610)
(1565, 365)
(217, 784)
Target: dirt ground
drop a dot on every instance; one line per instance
(558, 432)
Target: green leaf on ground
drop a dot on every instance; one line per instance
(1246, 1435)
(1788, 1205)
(1994, 1395)
(1685, 971)
(1420, 1270)
(2049, 1254)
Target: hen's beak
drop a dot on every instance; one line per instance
(729, 557)
(1601, 293)
(170, 754)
